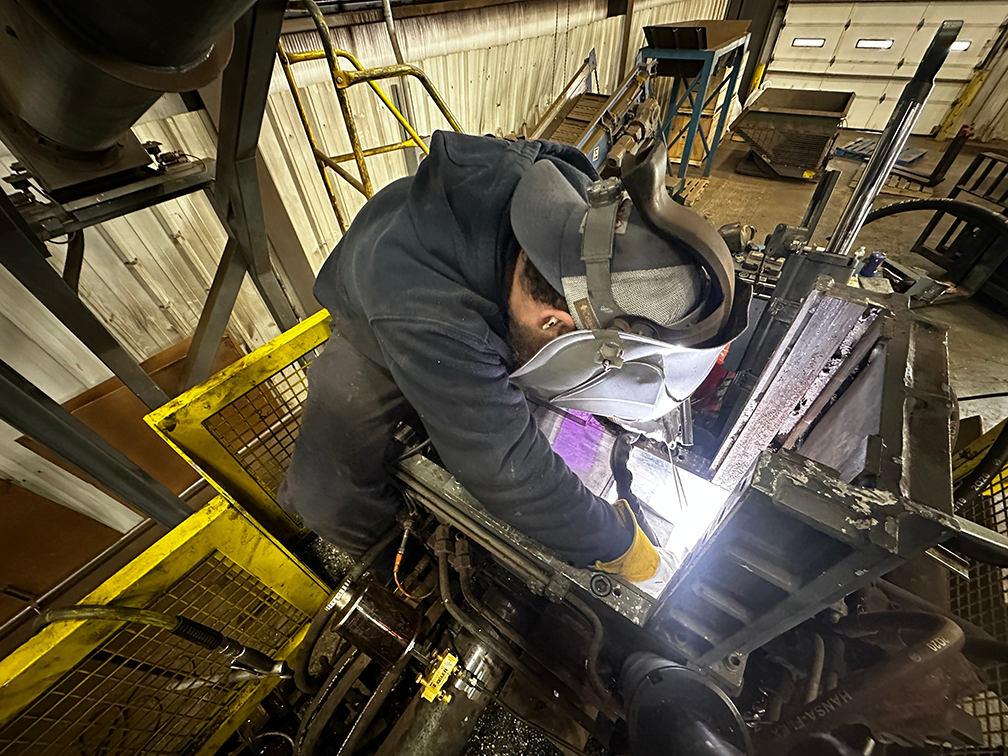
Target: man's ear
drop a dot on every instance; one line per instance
(555, 322)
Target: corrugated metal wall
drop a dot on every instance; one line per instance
(146, 275)
(989, 110)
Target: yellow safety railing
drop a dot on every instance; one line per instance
(100, 686)
(239, 427)
(343, 80)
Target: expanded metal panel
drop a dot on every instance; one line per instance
(983, 600)
(260, 427)
(145, 691)
(794, 148)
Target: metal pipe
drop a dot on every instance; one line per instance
(32, 412)
(892, 140)
(816, 668)
(407, 101)
(606, 703)
(327, 700)
(340, 171)
(598, 637)
(371, 708)
(371, 151)
(435, 728)
(349, 78)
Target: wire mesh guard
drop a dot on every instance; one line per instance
(983, 600)
(260, 427)
(145, 691)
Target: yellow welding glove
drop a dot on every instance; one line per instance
(640, 561)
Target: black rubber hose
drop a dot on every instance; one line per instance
(307, 682)
(980, 477)
(957, 208)
(496, 646)
(908, 599)
(985, 650)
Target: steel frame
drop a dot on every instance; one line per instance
(236, 198)
(695, 91)
(33, 413)
(24, 255)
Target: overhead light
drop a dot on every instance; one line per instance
(808, 42)
(874, 44)
(961, 44)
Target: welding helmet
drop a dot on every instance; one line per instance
(649, 283)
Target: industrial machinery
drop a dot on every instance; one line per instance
(802, 495)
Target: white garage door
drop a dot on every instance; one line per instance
(873, 48)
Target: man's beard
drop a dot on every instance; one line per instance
(525, 342)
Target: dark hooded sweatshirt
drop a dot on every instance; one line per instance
(418, 288)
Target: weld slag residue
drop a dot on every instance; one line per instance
(829, 370)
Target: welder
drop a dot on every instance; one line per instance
(505, 267)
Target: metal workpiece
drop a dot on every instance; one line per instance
(901, 123)
(26, 408)
(791, 541)
(544, 573)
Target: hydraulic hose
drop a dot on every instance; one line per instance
(183, 627)
(491, 641)
(978, 479)
(307, 682)
(938, 638)
(900, 595)
(606, 703)
(957, 208)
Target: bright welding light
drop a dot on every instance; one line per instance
(960, 45)
(703, 503)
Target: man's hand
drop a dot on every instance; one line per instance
(641, 561)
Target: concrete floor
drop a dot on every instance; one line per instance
(977, 329)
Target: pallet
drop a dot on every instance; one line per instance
(692, 190)
(862, 149)
(898, 185)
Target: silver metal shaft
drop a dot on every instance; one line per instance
(893, 139)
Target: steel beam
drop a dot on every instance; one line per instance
(24, 256)
(244, 87)
(32, 412)
(214, 318)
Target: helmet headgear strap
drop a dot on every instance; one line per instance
(599, 308)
